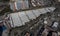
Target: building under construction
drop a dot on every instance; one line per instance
(35, 17)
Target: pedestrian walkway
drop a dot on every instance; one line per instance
(5, 33)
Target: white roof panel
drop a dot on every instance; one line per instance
(37, 12)
(19, 18)
(16, 19)
(42, 11)
(30, 14)
(23, 16)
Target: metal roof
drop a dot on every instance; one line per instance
(20, 18)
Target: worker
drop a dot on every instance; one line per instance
(54, 34)
(1, 28)
(27, 33)
(40, 31)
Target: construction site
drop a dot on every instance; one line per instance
(30, 17)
